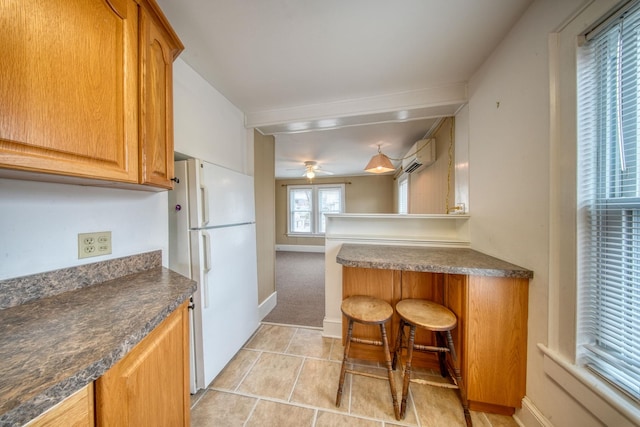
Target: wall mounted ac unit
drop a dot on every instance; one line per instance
(422, 154)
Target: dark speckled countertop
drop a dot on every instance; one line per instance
(53, 346)
(428, 259)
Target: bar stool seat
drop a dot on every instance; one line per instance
(369, 311)
(427, 314)
(434, 317)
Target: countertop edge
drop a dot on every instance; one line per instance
(375, 261)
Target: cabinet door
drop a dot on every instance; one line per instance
(69, 88)
(159, 46)
(150, 385)
(497, 354)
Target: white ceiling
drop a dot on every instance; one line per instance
(367, 72)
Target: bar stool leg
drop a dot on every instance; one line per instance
(407, 370)
(461, 388)
(442, 357)
(397, 349)
(392, 382)
(343, 369)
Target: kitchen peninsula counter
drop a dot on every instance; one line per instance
(53, 345)
(428, 259)
(489, 297)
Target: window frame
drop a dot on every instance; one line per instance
(608, 244)
(316, 216)
(559, 348)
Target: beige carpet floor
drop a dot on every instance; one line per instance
(300, 288)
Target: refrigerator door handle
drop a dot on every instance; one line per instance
(204, 193)
(206, 243)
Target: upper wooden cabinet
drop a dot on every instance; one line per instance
(159, 47)
(68, 88)
(74, 85)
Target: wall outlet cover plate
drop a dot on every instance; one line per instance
(94, 244)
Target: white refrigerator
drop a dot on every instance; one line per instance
(212, 239)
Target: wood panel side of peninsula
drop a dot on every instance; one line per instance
(491, 336)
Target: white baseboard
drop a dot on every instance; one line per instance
(332, 328)
(530, 415)
(267, 305)
(300, 248)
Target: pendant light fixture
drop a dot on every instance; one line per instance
(379, 163)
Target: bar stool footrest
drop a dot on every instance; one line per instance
(366, 374)
(366, 341)
(430, 348)
(434, 383)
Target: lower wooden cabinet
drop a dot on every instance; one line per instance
(75, 411)
(491, 336)
(492, 333)
(150, 385)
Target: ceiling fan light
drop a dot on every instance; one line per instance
(379, 164)
(310, 173)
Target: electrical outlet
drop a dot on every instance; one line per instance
(94, 244)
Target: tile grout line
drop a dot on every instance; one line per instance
(331, 348)
(290, 341)
(299, 404)
(350, 393)
(487, 419)
(198, 399)
(253, 409)
(414, 406)
(253, 364)
(292, 345)
(302, 405)
(295, 382)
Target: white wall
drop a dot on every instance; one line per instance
(206, 125)
(40, 222)
(509, 156)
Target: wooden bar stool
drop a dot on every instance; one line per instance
(369, 311)
(417, 313)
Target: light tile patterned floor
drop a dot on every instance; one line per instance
(288, 376)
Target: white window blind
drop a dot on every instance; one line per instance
(609, 202)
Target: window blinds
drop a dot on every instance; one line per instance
(609, 203)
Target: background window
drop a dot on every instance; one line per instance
(329, 201)
(609, 203)
(301, 210)
(403, 195)
(308, 205)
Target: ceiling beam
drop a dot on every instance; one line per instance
(425, 103)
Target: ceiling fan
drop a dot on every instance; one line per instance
(311, 169)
